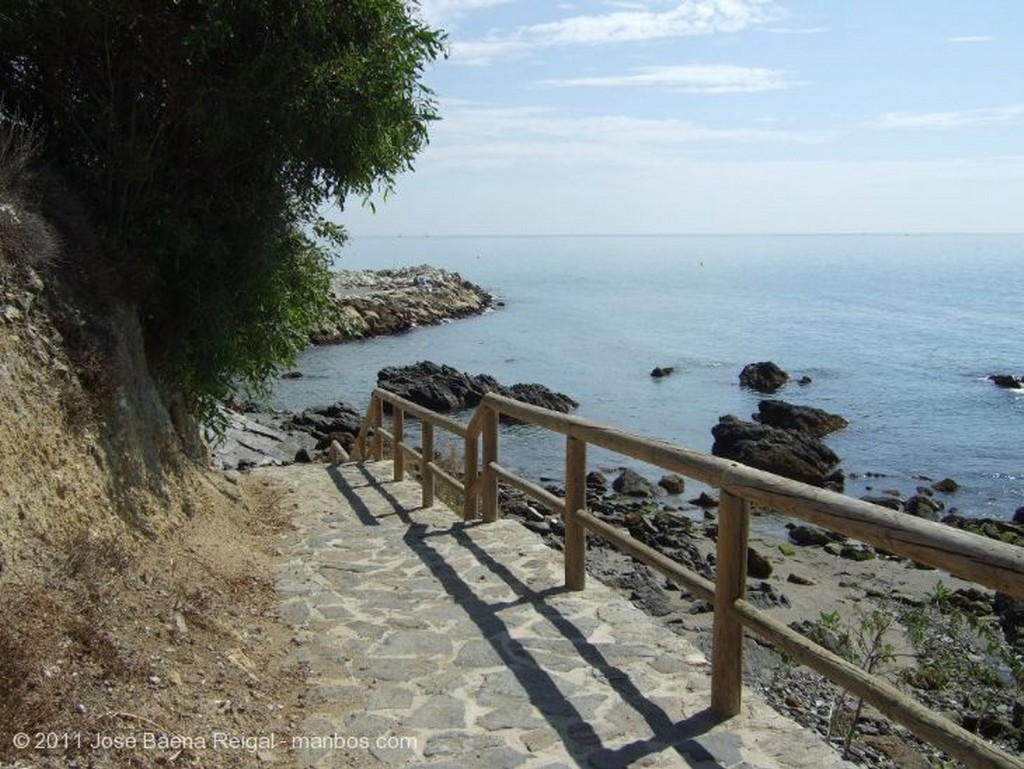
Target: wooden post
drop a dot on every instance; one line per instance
(469, 506)
(398, 433)
(489, 490)
(427, 456)
(730, 584)
(378, 422)
(575, 499)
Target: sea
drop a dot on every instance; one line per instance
(897, 333)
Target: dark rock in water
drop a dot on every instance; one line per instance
(946, 485)
(758, 567)
(783, 452)
(662, 371)
(705, 500)
(673, 484)
(804, 381)
(923, 506)
(1018, 516)
(764, 377)
(1008, 381)
(291, 375)
(802, 419)
(893, 503)
(443, 388)
(632, 484)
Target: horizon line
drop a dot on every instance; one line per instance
(880, 233)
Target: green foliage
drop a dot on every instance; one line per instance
(205, 136)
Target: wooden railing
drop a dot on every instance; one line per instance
(984, 561)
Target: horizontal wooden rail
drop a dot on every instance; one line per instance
(451, 480)
(532, 490)
(940, 731)
(997, 565)
(421, 413)
(680, 575)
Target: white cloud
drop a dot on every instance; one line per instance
(691, 17)
(715, 78)
(941, 121)
(437, 11)
(477, 136)
(970, 39)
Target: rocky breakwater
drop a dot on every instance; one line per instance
(369, 303)
(443, 388)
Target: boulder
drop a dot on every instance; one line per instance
(802, 419)
(808, 536)
(1008, 381)
(662, 371)
(705, 500)
(783, 452)
(596, 481)
(631, 484)
(946, 485)
(1018, 516)
(764, 377)
(758, 567)
(338, 422)
(673, 484)
(443, 388)
(923, 506)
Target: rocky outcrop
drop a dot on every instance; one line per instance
(1009, 381)
(764, 377)
(443, 388)
(631, 484)
(338, 422)
(375, 302)
(804, 419)
(783, 452)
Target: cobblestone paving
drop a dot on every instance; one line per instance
(435, 643)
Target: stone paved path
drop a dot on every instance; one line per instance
(435, 643)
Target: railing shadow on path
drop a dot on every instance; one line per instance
(577, 735)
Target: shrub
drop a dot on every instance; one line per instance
(204, 136)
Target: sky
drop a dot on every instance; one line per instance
(717, 116)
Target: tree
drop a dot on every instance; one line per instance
(204, 136)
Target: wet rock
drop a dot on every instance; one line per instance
(596, 481)
(705, 500)
(923, 506)
(783, 452)
(884, 500)
(758, 567)
(1018, 516)
(946, 485)
(803, 419)
(1009, 381)
(660, 372)
(443, 388)
(765, 377)
(809, 536)
(673, 484)
(632, 484)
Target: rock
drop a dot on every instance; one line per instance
(808, 535)
(662, 371)
(783, 452)
(758, 567)
(443, 388)
(339, 422)
(764, 596)
(796, 579)
(374, 302)
(857, 552)
(673, 484)
(1010, 611)
(632, 484)
(802, 419)
(1008, 381)
(597, 481)
(705, 500)
(947, 485)
(302, 455)
(804, 381)
(292, 375)
(1018, 516)
(923, 506)
(884, 500)
(764, 377)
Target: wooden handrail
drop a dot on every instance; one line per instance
(988, 562)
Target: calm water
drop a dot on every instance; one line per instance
(897, 333)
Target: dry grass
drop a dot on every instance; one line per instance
(25, 236)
